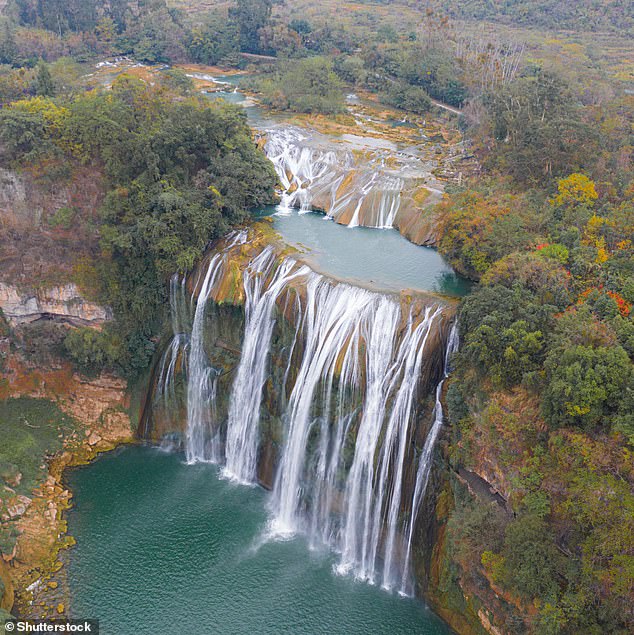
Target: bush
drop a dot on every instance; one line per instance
(585, 385)
(92, 350)
(531, 558)
(410, 98)
(62, 218)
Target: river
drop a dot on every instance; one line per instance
(164, 547)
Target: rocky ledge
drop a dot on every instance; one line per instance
(61, 303)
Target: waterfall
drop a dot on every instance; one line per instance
(246, 395)
(164, 398)
(303, 170)
(387, 204)
(349, 391)
(333, 315)
(391, 378)
(412, 354)
(201, 380)
(313, 177)
(425, 460)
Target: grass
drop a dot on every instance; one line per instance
(30, 430)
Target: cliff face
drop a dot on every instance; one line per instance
(62, 303)
(486, 467)
(47, 223)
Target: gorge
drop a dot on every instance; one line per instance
(290, 366)
(317, 317)
(305, 353)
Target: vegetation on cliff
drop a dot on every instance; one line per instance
(179, 172)
(31, 430)
(542, 397)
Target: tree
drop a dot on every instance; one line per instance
(469, 222)
(250, 16)
(576, 189)
(585, 385)
(215, 40)
(411, 98)
(309, 86)
(531, 558)
(504, 332)
(537, 124)
(8, 46)
(44, 82)
(435, 70)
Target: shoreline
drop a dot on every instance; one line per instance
(40, 588)
(103, 409)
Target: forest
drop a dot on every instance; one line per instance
(543, 385)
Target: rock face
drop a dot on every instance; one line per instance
(419, 226)
(63, 303)
(47, 223)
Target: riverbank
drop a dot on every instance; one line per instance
(101, 413)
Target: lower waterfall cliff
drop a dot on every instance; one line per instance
(324, 393)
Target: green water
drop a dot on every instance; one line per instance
(378, 258)
(166, 548)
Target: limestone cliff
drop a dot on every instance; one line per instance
(61, 303)
(47, 223)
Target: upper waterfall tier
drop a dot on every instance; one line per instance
(356, 181)
(321, 391)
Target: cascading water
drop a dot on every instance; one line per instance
(316, 177)
(304, 171)
(175, 352)
(425, 461)
(351, 386)
(201, 380)
(334, 316)
(246, 396)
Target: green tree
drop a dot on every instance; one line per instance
(531, 558)
(8, 46)
(215, 40)
(312, 86)
(584, 385)
(44, 82)
(250, 16)
(537, 123)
